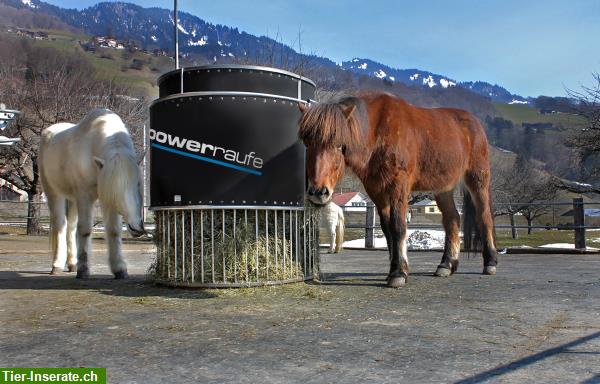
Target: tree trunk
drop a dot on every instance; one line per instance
(529, 225)
(513, 230)
(33, 214)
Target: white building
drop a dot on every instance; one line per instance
(352, 201)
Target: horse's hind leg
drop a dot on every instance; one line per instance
(58, 229)
(112, 223)
(478, 184)
(451, 221)
(71, 236)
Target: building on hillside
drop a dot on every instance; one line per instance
(425, 207)
(352, 201)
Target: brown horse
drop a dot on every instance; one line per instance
(395, 148)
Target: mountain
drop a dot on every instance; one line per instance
(205, 42)
(153, 28)
(427, 79)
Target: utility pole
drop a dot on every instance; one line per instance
(176, 24)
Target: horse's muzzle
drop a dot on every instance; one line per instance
(136, 232)
(319, 196)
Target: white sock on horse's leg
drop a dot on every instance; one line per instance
(113, 224)
(58, 233)
(60, 247)
(71, 236)
(331, 239)
(404, 252)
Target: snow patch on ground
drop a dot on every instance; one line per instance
(203, 41)
(564, 246)
(417, 239)
(414, 77)
(429, 81)
(504, 150)
(28, 3)
(380, 74)
(519, 102)
(180, 27)
(447, 83)
(363, 66)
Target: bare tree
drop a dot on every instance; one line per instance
(51, 87)
(586, 139)
(521, 188)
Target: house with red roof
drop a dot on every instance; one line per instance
(352, 201)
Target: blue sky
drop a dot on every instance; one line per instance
(530, 47)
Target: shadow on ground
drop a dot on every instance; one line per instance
(532, 359)
(135, 286)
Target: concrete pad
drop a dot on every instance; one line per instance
(537, 320)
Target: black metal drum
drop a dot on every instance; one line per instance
(228, 136)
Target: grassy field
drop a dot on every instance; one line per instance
(111, 63)
(523, 113)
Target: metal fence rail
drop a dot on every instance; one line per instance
(577, 224)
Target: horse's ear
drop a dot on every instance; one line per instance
(302, 107)
(99, 162)
(348, 109)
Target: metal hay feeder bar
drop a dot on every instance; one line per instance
(228, 178)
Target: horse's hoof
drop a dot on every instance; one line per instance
(443, 272)
(120, 275)
(396, 282)
(489, 270)
(83, 274)
(72, 268)
(56, 271)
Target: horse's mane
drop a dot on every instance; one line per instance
(326, 124)
(120, 170)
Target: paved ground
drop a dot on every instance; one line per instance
(538, 320)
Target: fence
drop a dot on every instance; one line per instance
(564, 216)
(574, 216)
(14, 214)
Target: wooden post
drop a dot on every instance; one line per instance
(370, 226)
(579, 223)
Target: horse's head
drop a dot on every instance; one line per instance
(325, 132)
(120, 189)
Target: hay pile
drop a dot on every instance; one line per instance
(241, 247)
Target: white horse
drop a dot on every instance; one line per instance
(332, 219)
(80, 164)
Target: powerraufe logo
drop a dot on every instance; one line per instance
(213, 154)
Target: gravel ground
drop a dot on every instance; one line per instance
(538, 320)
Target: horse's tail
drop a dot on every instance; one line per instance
(471, 234)
(339, 230)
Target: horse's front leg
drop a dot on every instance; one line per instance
(113, 223)
(84, 236)
(399, 258)
(332, 235)
(56, 206)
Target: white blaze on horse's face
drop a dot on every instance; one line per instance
(324, 167)
(122, 174)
